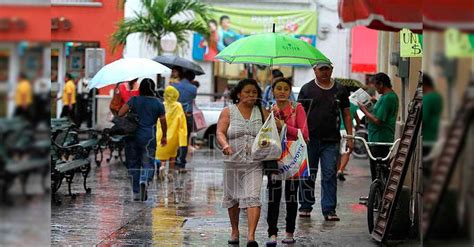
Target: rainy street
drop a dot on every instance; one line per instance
(188, 211)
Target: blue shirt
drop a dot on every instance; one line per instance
(149, 109)
(187, 94)
(229, 35)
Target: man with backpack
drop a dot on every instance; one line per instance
(323, 100)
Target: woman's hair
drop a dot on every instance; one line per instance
(147, 87)
(131, 83)
(238, 89)
(281, 80)
(180, 71)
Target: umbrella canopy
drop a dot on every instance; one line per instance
(381, 15)
(126, 69)
(350, 84)
(271, 49)
(172, 61)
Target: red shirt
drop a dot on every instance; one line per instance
(294, 119)
(126, 93)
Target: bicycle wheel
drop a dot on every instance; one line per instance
(359, 148)
(373, 203)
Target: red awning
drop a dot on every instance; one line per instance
(442, 14)
(364, 50)
(390, 15)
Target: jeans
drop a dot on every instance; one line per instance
(183, 151)
(140, 162)
(274, 197)
(328, 154)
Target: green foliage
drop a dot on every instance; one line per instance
(159, 18)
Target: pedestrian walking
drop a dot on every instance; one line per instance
(23, 97)
(237, 127)
(345, 154)
(323, 99)
(69, 98)
(176, 135)
(142, 144)
(122, 94)
(187, 95)
(293, 115)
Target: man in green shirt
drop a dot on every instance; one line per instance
(432, 110)
(382, 119)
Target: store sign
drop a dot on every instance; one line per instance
(244, 22)
(458, 44)
(410, 44)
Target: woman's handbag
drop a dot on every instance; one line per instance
(293, 162)
(267, 143)
(127, 124)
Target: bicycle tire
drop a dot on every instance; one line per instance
(359, 148)
(373, 203)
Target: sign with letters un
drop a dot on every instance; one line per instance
(410, 44)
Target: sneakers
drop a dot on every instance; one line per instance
(340, 176)
(136, 197)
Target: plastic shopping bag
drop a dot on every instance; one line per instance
(267, 143)
(293, 162)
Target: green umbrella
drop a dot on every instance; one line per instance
(271, 49)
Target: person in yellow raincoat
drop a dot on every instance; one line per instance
(176, 134)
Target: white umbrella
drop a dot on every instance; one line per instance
(126, 69)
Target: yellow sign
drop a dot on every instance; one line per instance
(410, 45)
(457, 44)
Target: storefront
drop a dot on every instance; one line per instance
(72, 36)
(23, 49)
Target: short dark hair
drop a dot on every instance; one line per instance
(180, 71)
(238, 89)
(382, 78)
(190, 75)
(287, 81)
(427, 81)
(277, 73)
(69, 76)
(212, 21)
(223, 18)
(147, 87)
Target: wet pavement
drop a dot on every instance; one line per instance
(187, 210)
(26, 222)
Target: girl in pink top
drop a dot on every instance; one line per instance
(293, 115)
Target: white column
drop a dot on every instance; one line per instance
(61, 74)
(14, 70)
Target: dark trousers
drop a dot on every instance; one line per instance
(328, 154)
(69, 113)
(23, 113)
(140, 161)
(183, 151)
(291, 199)
(378, 152)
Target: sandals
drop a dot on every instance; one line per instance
(304, 214)
(288, 241)
(331, 217)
